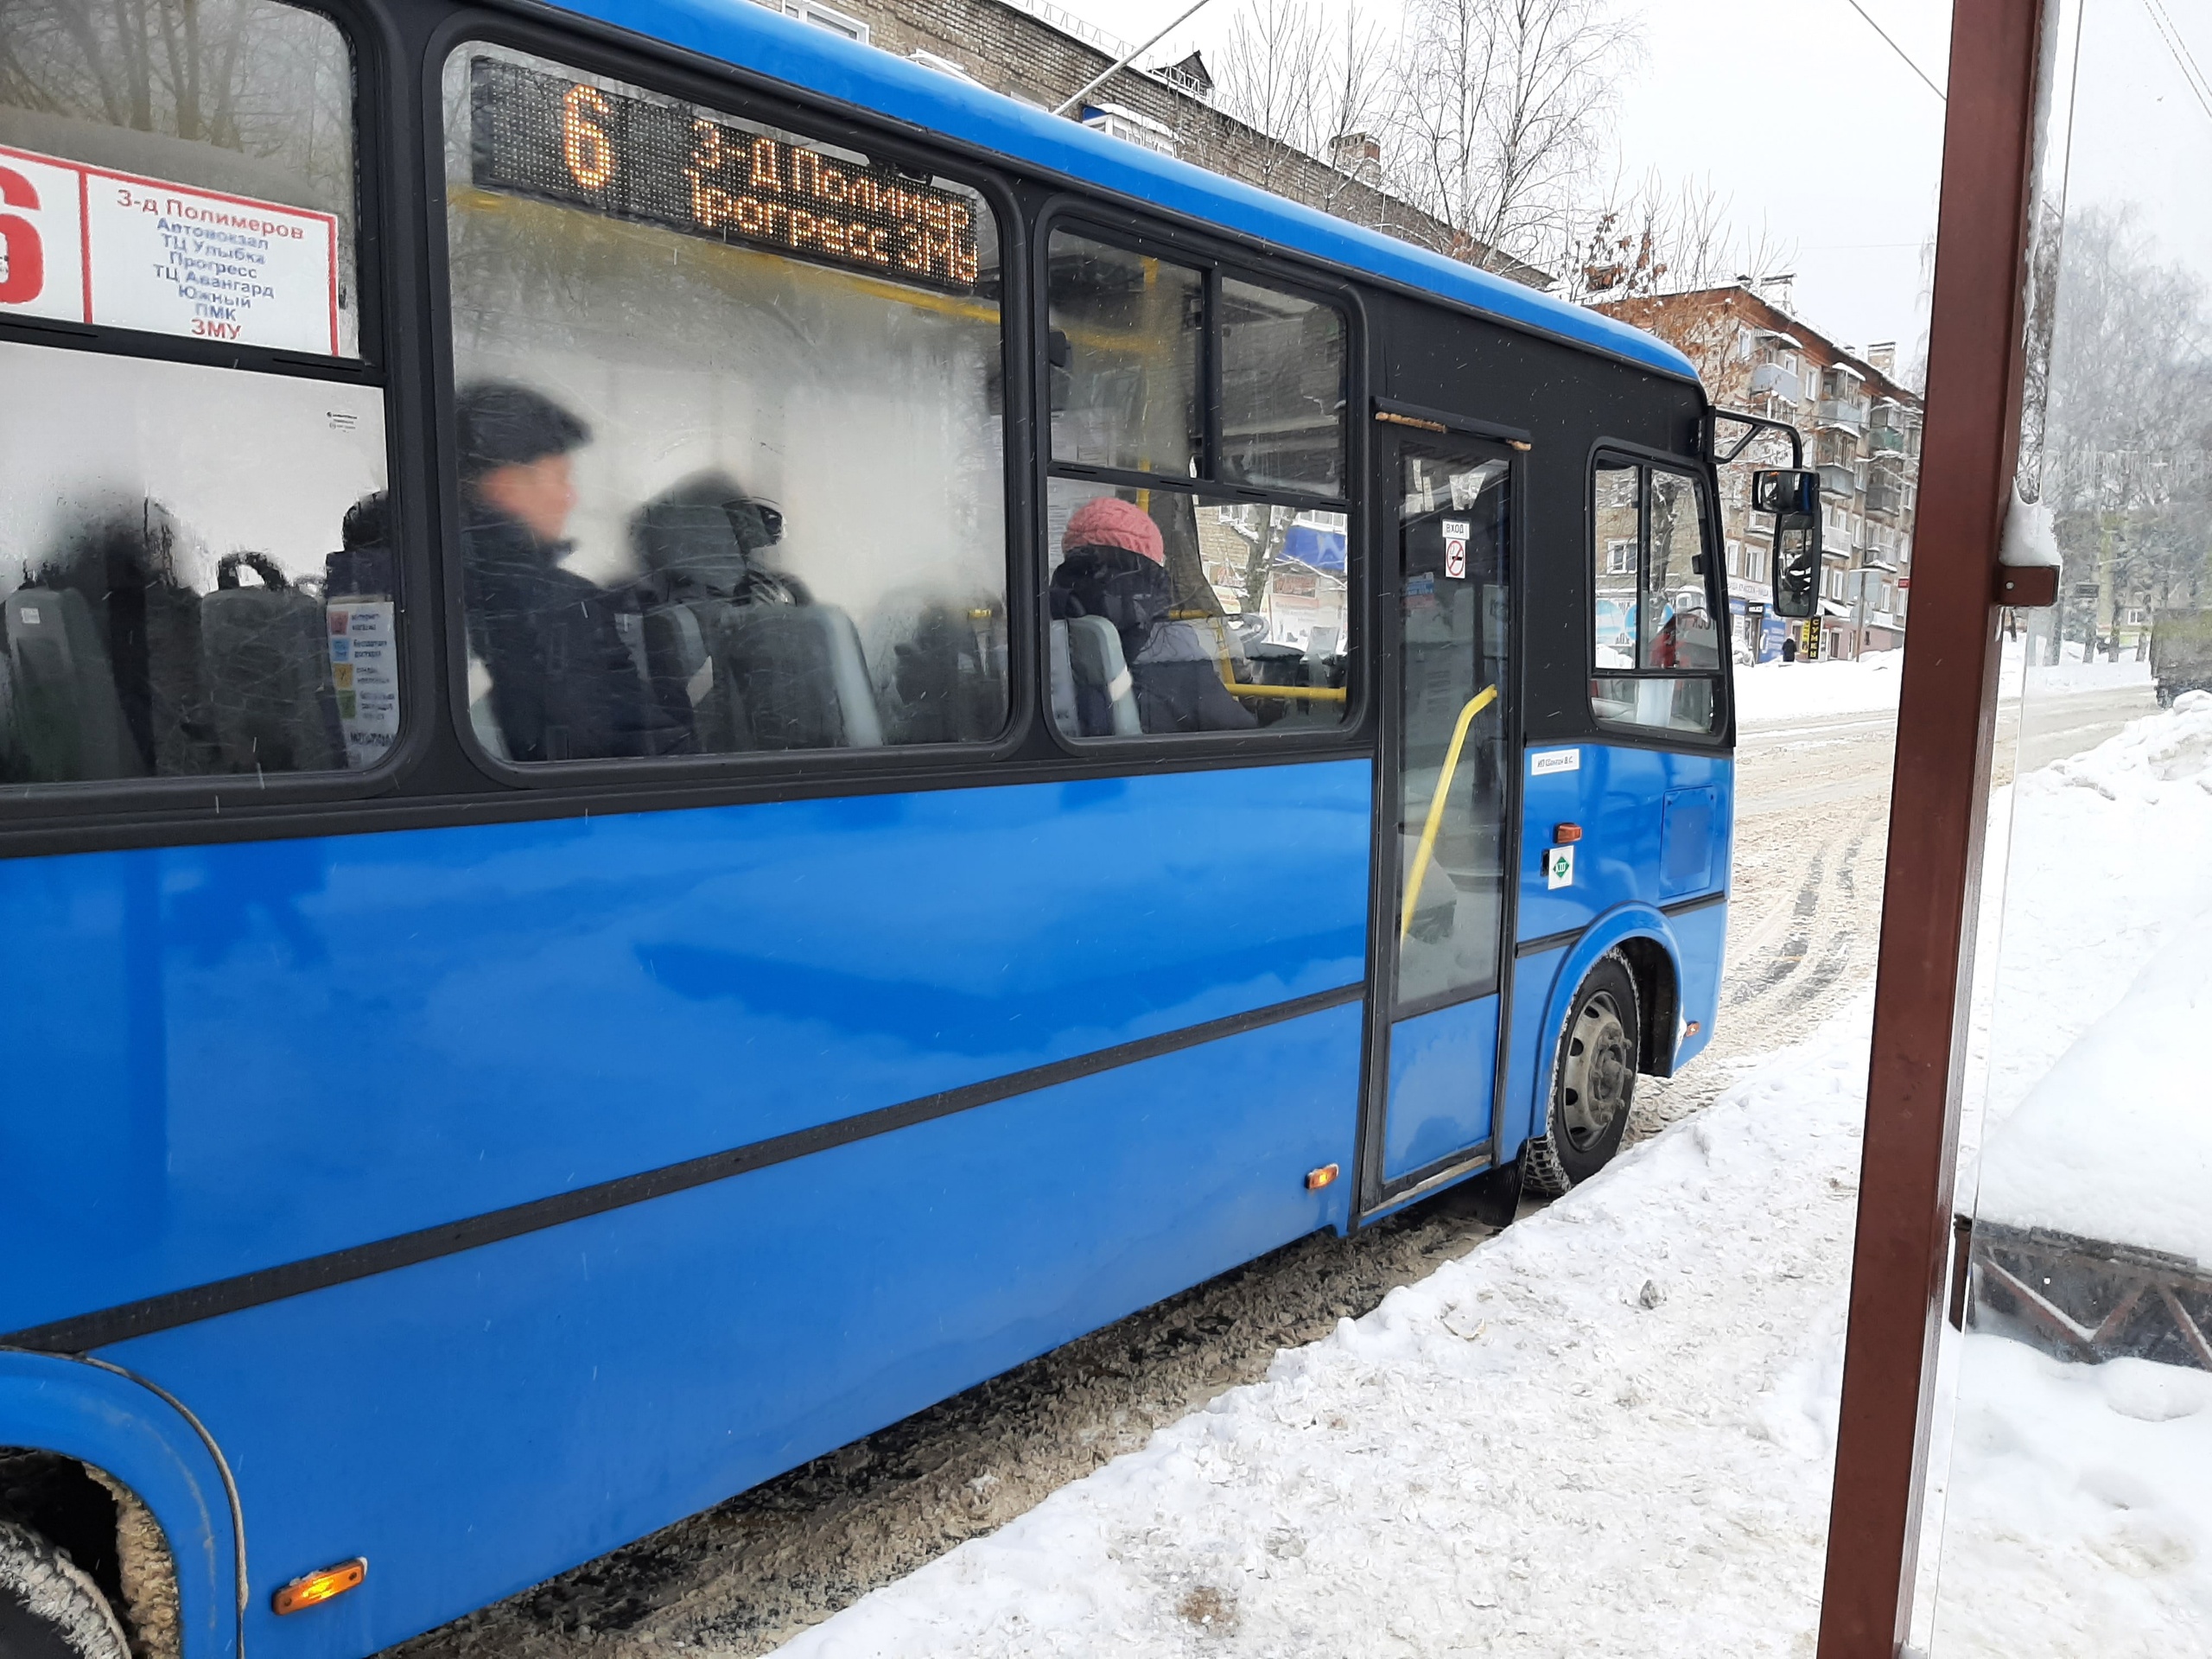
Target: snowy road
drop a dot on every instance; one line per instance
(1812, 812)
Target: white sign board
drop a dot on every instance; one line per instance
(112, 249)
(1455, 548)
(1559, 866)
(365, 673)
(1544, 761)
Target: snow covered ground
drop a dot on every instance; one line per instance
(1777, 692)
(1610, 1429)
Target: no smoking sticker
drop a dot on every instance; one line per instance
(1455, 547)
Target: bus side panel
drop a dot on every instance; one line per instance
(226, 1058)
(475, 1423)
(1655, 831)
(1702, 936)
(1529, 1061)
(1443, 1070)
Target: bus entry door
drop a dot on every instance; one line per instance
(1440, 893)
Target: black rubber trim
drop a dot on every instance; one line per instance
(1468, 1160)
(84, 1331)
(1554, 941)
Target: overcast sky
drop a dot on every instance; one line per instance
(1806, 121)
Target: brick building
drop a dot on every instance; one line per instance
(1033, 51)
(1862, 430)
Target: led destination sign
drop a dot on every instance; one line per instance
(543, 135)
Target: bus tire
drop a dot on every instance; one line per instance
(49, 1606)
(1593, 1081)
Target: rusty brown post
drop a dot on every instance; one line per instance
(1946, 718)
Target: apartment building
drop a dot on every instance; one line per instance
(1034, 51)
(1862, 430)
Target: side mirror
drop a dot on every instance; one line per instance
(1793, 496)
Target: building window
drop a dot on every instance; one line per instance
(821, 17)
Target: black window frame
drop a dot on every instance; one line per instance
(1096, 219)
(380, 235)
(731, 94)
(1612, 452)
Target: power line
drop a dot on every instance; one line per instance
(1899, 50)
(2184, 59)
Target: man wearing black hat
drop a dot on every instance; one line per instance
(564, 686)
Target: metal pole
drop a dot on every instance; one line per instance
(1945, 724)
(1115, 69)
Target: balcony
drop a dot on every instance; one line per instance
(1885, 439)
(1849, 413)
(1774, 379)
(1837, 480)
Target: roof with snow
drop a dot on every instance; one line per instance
(741, 34)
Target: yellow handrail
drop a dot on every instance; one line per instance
(1295, 693)
(1480, 702)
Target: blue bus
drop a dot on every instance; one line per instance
(703, 734)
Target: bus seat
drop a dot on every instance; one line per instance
(266, 655)
(680, 668)
(763, 677)
(1095, 656)
(69, 723)
(1064, 715)
(801, 676)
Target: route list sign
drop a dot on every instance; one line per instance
(112, 249)
(545, 135)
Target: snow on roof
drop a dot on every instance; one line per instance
(1846, 368)
(865, 79)
(1787, 339)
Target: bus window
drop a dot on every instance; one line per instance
(728, 430)
(195, 575)
(1174, 613)
(1131, 328)
(1654, 642)
(1282, 391)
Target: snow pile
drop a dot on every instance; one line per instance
(2115, 1142)
(1774, 692)
(1783, 691)
(2081, 1509)
(2098, 1123)
(1608, 1431)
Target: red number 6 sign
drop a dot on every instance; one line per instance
(22, 257)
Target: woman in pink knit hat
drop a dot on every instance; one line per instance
(1114, 565)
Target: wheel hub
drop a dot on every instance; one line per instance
(1599, 1072)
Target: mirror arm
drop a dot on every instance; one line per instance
(1753, 425)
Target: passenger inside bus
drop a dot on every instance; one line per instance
(1114, 568)
(565, 684)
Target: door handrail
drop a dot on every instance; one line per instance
(1476, 704)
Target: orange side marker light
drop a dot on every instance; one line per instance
(1563, 833)
(318, 1587)
(1318, 1179)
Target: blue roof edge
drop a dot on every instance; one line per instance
(749, 36)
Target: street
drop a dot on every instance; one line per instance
(1812, 808)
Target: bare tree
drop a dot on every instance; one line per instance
(1301, 76)
(1500, 108)
(2127, 420)
(1628, 242)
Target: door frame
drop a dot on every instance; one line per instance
(1393, 424)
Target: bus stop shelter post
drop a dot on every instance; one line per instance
(1946, 720)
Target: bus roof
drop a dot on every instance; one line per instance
(749, 36)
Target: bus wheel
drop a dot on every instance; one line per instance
(1594, 1083)
(49, 1606)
